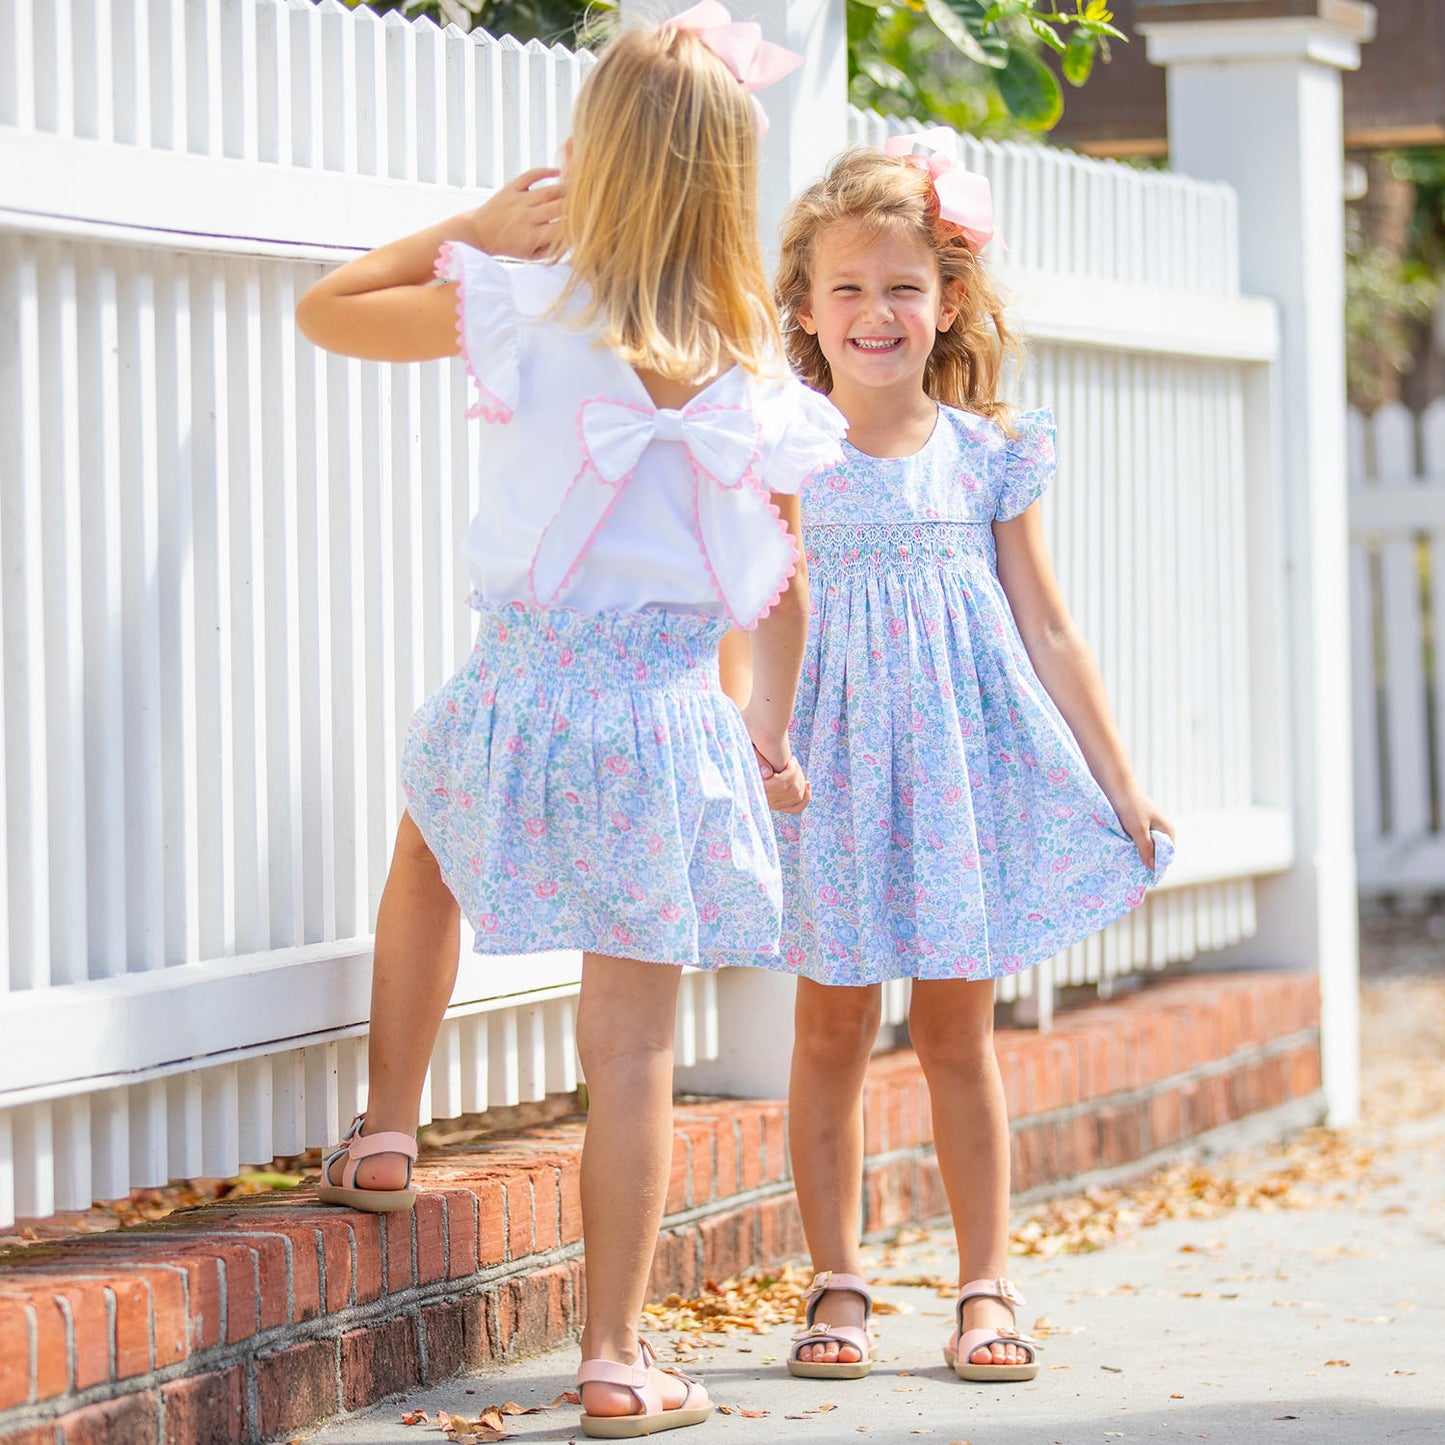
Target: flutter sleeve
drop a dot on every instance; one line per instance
(486, 327)
(812, 439)
(1029, 463)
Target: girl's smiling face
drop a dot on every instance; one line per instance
(876, 305)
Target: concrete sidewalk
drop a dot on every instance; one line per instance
(1323, 1326)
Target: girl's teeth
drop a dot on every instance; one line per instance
(874, 345)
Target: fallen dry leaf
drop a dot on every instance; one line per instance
(1344, 1363)
(416, 1417)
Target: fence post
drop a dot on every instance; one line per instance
(1255, 101)
(808, 123)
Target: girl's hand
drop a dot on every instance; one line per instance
(1138, 814)
(787, 790)
(521, 219)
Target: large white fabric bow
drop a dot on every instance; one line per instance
(747, 547)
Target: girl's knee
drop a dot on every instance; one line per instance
(836, 1020)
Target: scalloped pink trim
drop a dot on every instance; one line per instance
(749, 478)
(588, 464)
(489, 406)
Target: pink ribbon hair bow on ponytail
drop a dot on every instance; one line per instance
(964, 197)
(739, 44)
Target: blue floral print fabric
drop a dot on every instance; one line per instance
(955, 830)
(584, 783)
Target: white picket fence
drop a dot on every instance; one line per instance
(228, 563)
(1397, 594)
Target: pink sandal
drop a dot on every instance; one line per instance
(815, 1333)
(356, 1148)
(650, 1416)
(959, 1350)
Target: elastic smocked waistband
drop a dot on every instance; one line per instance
(629, 649)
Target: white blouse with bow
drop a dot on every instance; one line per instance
(594, 498)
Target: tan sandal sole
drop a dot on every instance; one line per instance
(631, 1427)
(369, 1201)
(982, 1374)
(823, 1370)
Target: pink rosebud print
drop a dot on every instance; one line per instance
(488, 698)
(453, 708)
(1063, 863)
(1058, 775)
(536, 827)
(509, 867)
(670, 912)
(634, 891)
(1093, 903)
(476, 865)
(546, 889)
(514, 744)
(659, 734)
(1062, 810)
(837, 483)
(970, 858)
(719, 852)
(709, 912)
(896, 627)
(1036, 917)
(439, 792)
(463, 800)
(795, 957)
(828, 894)
(572, 798)
(639, 671)
(1013, 716)
(621, 933)
(1004, 758)
(488, 923)
(1134, 897)
(582, 865)
(617, 765)
(1028, 760)
(952, 794)
(621, 822)
(560, 724)
(565, 658)
(654, 844)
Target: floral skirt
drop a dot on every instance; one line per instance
(584, 783)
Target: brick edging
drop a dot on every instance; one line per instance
(249, 1321)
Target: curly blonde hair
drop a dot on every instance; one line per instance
(880, 193)
(660, 216)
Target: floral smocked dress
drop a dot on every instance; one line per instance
(955, 830)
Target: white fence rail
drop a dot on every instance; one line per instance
(1397, 593)
(228, 563)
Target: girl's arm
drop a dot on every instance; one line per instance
(1069, 673)
(768, 687)
(383, 306)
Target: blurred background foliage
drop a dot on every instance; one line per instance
(1394, 276)
(976, 65)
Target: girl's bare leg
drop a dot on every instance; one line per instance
(625, 1025)
(950, 1023)
(834, 1031)
(413, 973)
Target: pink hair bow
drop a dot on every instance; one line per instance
(964, 197)
(739, 44)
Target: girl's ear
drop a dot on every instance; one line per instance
(804, 312)
(949, 307)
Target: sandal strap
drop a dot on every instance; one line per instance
(830, 1279)
(821, 1334)
(636, 1377)
(982, 1339)
(999, 1289)
(357, 1147)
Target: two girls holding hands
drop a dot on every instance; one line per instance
(584, 783)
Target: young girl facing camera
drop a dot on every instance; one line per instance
(582, 782)
(973, 811)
